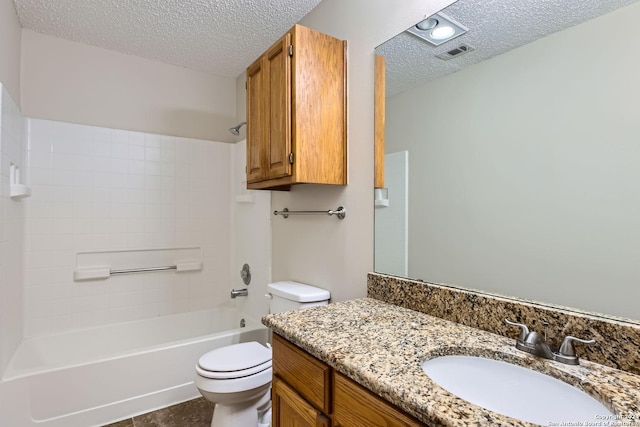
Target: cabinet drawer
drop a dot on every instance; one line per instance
(355, 406)
(307, 375)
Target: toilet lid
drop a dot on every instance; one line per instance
(266, 366)
(236, 359)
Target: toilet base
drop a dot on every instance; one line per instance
(241, 414)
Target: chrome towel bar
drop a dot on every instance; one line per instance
(142, 270)
(104, 272)
(340, 212)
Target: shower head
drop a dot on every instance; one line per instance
(236, 129)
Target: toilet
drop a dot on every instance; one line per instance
(237, 377)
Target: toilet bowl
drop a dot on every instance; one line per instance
(237, 378)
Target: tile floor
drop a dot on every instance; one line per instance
(192, 413)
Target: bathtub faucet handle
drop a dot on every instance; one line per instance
(239, 292)
(245, 274)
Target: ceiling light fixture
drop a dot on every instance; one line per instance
(437, 29)
(427, 24)
(442, 33)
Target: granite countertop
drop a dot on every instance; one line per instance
(382, 346)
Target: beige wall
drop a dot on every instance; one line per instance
(526, 182)
(324, 251)
(10, 49)
(77, 83)
(241, 104)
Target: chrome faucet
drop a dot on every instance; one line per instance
(533, 343)
(239, 292)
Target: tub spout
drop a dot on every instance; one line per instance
(239, 292)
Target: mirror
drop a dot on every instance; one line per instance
(514, 168)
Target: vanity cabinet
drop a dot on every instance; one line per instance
(308, 392)
(355, 406)
(296, 112)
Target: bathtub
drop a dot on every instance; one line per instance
(99, 375)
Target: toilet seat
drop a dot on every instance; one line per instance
(234, 361)
(217, 375)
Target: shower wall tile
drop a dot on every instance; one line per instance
(12, 218)
(252, 236)
(100, 189)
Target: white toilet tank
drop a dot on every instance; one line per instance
(287, 296)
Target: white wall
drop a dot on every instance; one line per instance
(136, 181)
(77, 83)
(71, 82)
(528, 182)
(10, 37)
(241, 104)
(12, 150)
(101, 189)
(324, 251)
(251, 211)
(392, 221)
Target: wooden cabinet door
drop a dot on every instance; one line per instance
(256, 122)
(310, 377)
(291, 410)
(296, 112)
(278, 87)
(379, 122)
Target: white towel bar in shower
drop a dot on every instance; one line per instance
(106, 271)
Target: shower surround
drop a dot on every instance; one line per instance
(98, 189)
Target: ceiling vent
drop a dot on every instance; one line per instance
(459, 50)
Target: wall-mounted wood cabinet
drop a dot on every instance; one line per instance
(297, 112)
(307, 392)
(379, 119)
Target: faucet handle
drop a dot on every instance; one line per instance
(524, 330)
(566, 349)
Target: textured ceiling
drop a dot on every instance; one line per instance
(495, 27)
(221, 37)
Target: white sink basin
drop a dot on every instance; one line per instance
(514, 391)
